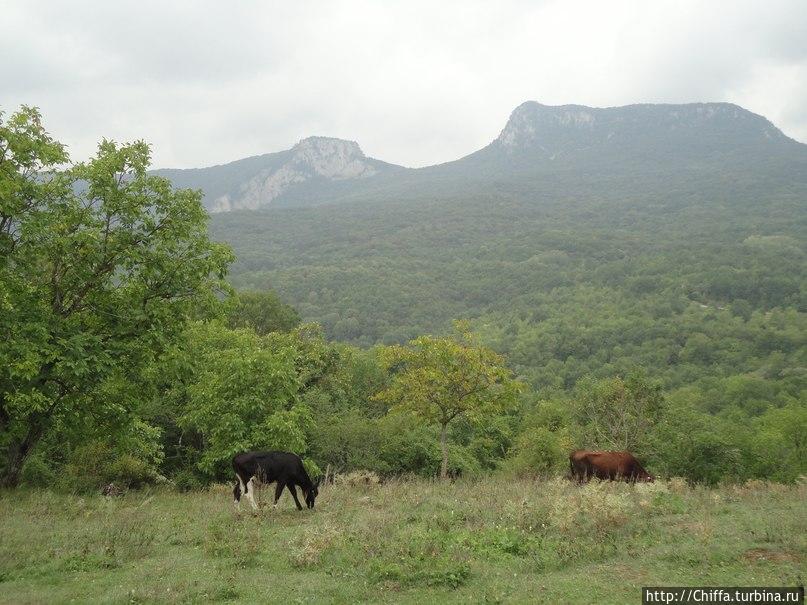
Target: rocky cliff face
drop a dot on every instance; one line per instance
(550, 129)
(312, 158)
(528, 119)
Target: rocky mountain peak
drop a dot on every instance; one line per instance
(331, 158)
(310, 161)
(533, 125)
(327, 145)
(528, 118)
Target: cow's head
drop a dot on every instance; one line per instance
(645, 477)
(311, 494)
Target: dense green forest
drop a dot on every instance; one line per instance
(688, 290)
(670, 324)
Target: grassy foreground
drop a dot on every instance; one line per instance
(491, 540)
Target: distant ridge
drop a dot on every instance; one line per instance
(301, 171)
(654, 142)
(534, 125)
(677, 133)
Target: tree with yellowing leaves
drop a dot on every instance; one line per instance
(440, 379)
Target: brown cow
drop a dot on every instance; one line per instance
(607, 465)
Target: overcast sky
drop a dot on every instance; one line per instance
(415, 83)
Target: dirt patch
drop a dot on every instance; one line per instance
(755, 555)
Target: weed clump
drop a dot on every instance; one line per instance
(598, 507)
(357, 478)
(307, 549)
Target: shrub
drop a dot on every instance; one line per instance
(312, 469)
(711, 459)
(130, 471)
(97, 463)
(39, 471)
(538, 451)
(186, 480)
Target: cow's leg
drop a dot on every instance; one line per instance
(294, 495)
(237, 495)
(251, 493)
(239, 490)
(279, 490)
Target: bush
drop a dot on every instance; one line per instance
(406, 446)
(86, 467)
(38, 471)
(130, 471)
(711, 459)
(186, 480)
(97, 463)
(538, 451)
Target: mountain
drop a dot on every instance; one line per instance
(542, 150)
(311, 167)
(576, 148)
(579, 241)
(573, 131)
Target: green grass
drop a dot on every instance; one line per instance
(492, 540)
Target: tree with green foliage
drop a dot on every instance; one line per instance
(545, 437)
(619, 413)
(231, 390)
(440, 379)
(779, 443)
(101, 265)
(264, 312)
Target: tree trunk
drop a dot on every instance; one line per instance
(444, 446)
(18, 453)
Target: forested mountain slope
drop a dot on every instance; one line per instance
(580, 241)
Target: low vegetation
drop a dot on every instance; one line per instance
(490, 540)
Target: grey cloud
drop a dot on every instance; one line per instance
(413, 82)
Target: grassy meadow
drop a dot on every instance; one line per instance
(492, 540)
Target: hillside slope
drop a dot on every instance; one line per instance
(312, 167)
(681, 250)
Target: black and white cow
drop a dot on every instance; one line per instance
(284, 468)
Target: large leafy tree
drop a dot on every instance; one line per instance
(241, 392)
(441, 379)
(618, 413)
(220, 391)
(264, 312)
(101, 266)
